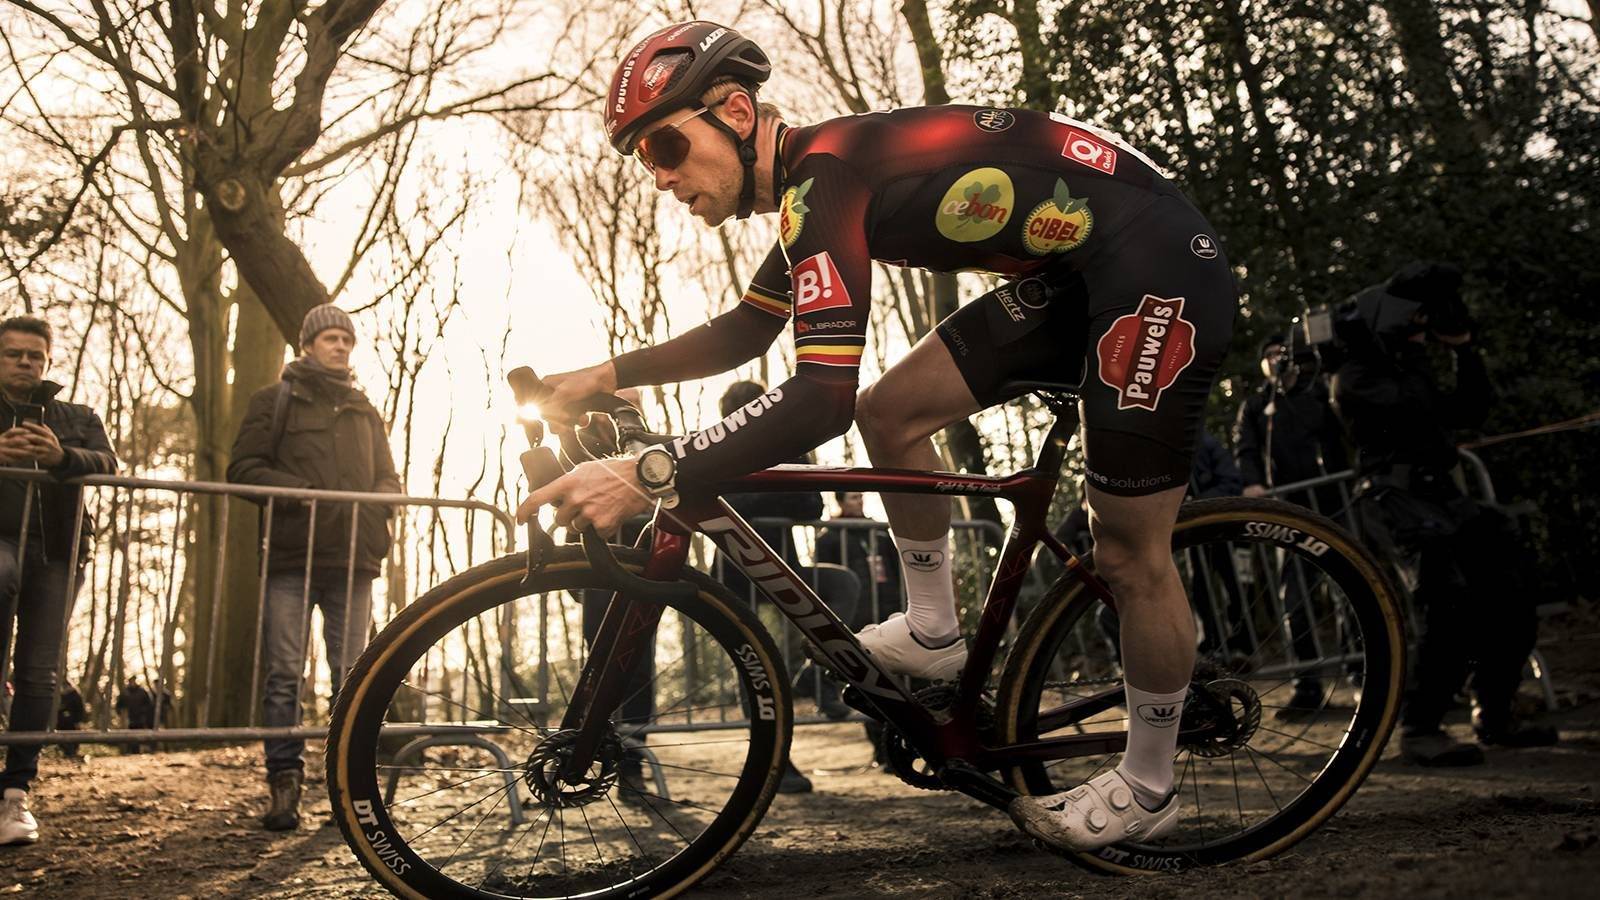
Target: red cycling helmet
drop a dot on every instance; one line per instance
(670, 70)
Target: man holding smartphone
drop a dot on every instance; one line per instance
(67, 440)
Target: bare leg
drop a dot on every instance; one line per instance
(1133, 552)
(918, 396)
(898, 417)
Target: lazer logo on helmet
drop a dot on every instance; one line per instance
(1142, 354)
(711, 38)
(817, 285)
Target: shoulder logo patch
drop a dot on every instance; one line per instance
(995, 120)
(1142, 354)
(1059, 224)
(817, 285)
(792, 213)
(976, 206)
(1090, 150)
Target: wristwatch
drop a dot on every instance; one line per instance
(657, 469)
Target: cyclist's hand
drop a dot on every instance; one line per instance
(569, 389)
(1255, 490)
(603, 493)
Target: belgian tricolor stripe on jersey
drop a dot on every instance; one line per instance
(829, 349)
(767, 300)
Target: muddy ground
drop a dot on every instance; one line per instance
(183, 824)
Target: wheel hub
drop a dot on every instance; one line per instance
(1221, 716)
(542, 772)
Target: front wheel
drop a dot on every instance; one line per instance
(1301, 658)
(445, 753)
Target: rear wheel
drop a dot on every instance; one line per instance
(445, 750)
(1295, 693)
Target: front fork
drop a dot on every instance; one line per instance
(622, 641)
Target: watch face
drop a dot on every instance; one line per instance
(655, 468)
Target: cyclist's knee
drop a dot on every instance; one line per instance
(877, 428)
(1131, 563)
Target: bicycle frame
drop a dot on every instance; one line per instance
(950, 742)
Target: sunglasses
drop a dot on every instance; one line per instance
(667, 147)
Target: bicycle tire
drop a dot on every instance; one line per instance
(357, 797)
(1372, 600)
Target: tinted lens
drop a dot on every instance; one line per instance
(665, 147)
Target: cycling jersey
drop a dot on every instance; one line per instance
(958, 188)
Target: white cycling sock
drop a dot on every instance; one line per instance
(930, 594)
(1152, 742)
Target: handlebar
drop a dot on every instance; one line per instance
(541, 467)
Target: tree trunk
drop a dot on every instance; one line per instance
(1427, 61)
(930, 57)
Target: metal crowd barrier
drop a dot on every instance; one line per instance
(136, 582)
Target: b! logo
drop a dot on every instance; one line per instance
(792, 214)
(1142, 354)
(1090, 150)
(1059, 224)
(977, 206)
(817, 285)
(922, 560)
(1161, 715)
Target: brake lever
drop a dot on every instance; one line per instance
(541, 467)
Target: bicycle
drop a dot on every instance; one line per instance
(1051, 715)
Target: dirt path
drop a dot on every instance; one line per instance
(183, 825)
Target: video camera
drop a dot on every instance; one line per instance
(1389, 311)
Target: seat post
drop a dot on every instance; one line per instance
(1053, 453)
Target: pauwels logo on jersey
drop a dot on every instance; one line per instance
(792, 213)
(817, 285)
(1143, 353)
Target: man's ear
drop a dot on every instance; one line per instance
(741, 109)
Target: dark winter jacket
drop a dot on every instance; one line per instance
(333, 439)
(874, 563)
(1301, 428)
(88, 452)
(1214, 474)
(1398, 415)
(795, 506)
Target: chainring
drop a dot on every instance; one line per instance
(905, 761)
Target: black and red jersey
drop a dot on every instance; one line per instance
(944, 188)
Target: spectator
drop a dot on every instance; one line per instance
(834, 584)
(1287, 432)
(314, 430)
(1476, 618)
(70, 714)
(871, 556)
(137, 705)
(66, 441)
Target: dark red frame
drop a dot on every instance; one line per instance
(953, 738)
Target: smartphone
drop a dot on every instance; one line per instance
(29, 412)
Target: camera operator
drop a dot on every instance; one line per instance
(1455, 550)
(1284, 433)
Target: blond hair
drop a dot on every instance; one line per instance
(727, 86)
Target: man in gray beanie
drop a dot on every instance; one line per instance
(314, 430)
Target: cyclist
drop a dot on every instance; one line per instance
(1114, 281)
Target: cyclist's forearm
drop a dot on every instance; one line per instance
(783, 423)
(735, 337)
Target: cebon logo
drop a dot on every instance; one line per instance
(1059, 224)
(977, 206)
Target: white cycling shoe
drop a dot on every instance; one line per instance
(892, 645)
(1098, 813)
